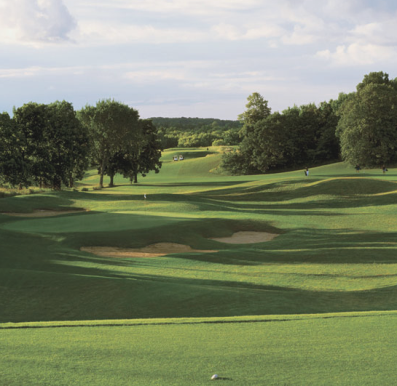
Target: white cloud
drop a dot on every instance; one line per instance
(358, 54)
(34, 21)
(93, 33)
(193, 53)
(376, 32)
(155, 76)
(194, 7)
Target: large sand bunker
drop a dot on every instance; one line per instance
(247, 238)
(154, 250)
(44, 213)
(163, 249)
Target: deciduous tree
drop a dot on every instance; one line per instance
(368, 125)
(111, 126)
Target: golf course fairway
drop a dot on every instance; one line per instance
(313, 304)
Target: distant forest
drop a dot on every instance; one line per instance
(195, 132)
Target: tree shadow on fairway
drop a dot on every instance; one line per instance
(350, 192)
(304, 209)
(99, 294)
(308, 246)
(54, 281)
(330, 246)
(29, 203)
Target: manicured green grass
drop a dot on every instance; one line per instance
(255, 314)
(351, 349)
(336, 251)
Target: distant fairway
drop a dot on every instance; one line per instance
(336, 252)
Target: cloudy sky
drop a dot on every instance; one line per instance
(193, 58)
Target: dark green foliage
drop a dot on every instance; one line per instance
(266, 134)
(112, 126)
(193, 124)
(197, 132)
(257, 110)
(68, 153)
(368, 124)
(42, 144)
(235, 163)
(377, 78)
(14, 162)
(142, 159)
(296, 137)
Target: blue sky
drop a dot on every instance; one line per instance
(193, 58)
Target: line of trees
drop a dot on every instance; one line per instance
(297, 136)
(196, 132)
(360, 128)
(50, 145)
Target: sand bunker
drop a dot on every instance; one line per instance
(154, 250)
(163, 249)
(247, 238)
(44, 213)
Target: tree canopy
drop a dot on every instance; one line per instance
(111, 125)
(42, 144)
(368, 123)
(292, 138)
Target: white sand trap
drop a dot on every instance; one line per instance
(44, 213)
(247, 238)
(154, 250)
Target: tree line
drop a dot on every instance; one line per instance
(53, 145)
(360, 128)
(197, 132)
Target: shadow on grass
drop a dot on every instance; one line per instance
(97, 294)
(49, 281)
(347, 189)
(300, 246)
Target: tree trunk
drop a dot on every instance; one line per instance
(101, 173)
(135, 174)
(56, 183)
(111, 179)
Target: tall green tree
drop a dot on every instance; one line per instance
(146, 157)
(111, 126)
(14, 163)
(68, 144)
(31, 125)
(245, 159)
(377, 78)
(266, 144)
(257, 109)
(52, 143)
(368, 124)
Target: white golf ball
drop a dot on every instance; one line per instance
(215, 376)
